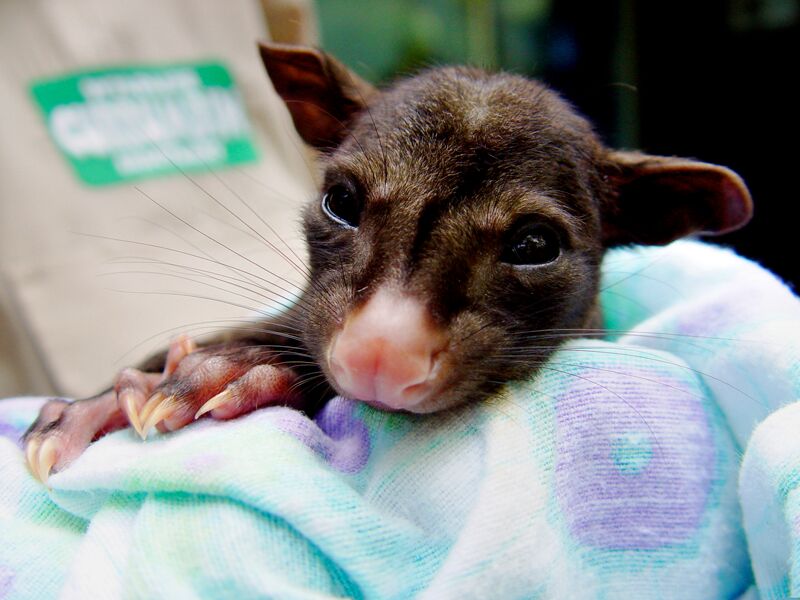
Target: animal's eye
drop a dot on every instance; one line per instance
(342, 205)
(532, 244)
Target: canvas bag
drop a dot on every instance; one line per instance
(63, 327)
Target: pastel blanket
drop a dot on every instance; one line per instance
(661, 460)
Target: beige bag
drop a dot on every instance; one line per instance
(63, 328)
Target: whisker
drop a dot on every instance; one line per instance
(195, 256)
(644, 356)
(259, 299)
(664, 253)
(377, 134)
(287, 299)
(171, 232)
(193, 296)
(211, 238)
(222, 205)
(224, 326)
(627, 375)
(617, 395)
(302, 269)
(640, 275)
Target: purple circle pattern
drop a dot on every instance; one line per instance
(335, 434)
(6, 581)
(635, 459)
(10, 432)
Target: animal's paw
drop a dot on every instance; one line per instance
(64, 429)
(221, 381)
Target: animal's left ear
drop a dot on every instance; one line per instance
(658, 199)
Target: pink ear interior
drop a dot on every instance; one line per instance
(729, 205)
(662, 199)
(320, 93)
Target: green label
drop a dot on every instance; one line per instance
(132, 123)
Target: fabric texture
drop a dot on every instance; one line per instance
(57, 235)
(616, 472)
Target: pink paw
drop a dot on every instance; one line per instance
(222, 381)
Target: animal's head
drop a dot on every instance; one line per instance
(461, 213)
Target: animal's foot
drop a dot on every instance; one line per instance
(64, 429)
(222, 381)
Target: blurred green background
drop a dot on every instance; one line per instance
(402, 35)
(709, 79)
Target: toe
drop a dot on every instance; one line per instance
(221, 381)
(133, 388)
(63, 430)
(179, 348)
(223, 397)
(263, 385)
(157, 408)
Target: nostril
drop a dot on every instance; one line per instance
(426, 383)
(354, 359)
(387, 351)
(437, 357)
(377, 370)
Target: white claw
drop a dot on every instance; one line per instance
(31, 457)
(222, 398)
(129, 406)
(160, 412)
(148, 407)
(47, 458)
(187, 344)
(41, 456)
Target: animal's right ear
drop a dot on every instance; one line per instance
(322, 95)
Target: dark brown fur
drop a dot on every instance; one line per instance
(444, 168)
(447, 164)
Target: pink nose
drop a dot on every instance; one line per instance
(386, 352)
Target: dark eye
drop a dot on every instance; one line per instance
(342, 205)
(533, 244)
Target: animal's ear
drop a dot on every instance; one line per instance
(322, 95)
(658, 199)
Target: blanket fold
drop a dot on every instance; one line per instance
(615, 473)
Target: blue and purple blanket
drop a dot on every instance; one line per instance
(661, 460)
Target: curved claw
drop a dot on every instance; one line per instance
(187, 344)
(179, 348)
(222, 398)
(41, 456)
(148, 407)
(128, 402)
(47, 458)
(157, 408)
(32, 458)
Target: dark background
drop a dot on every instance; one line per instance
(714, 82)
(709, 79)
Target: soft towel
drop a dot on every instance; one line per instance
(617, 472)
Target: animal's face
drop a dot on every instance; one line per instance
(460, 224)
(477, 196)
